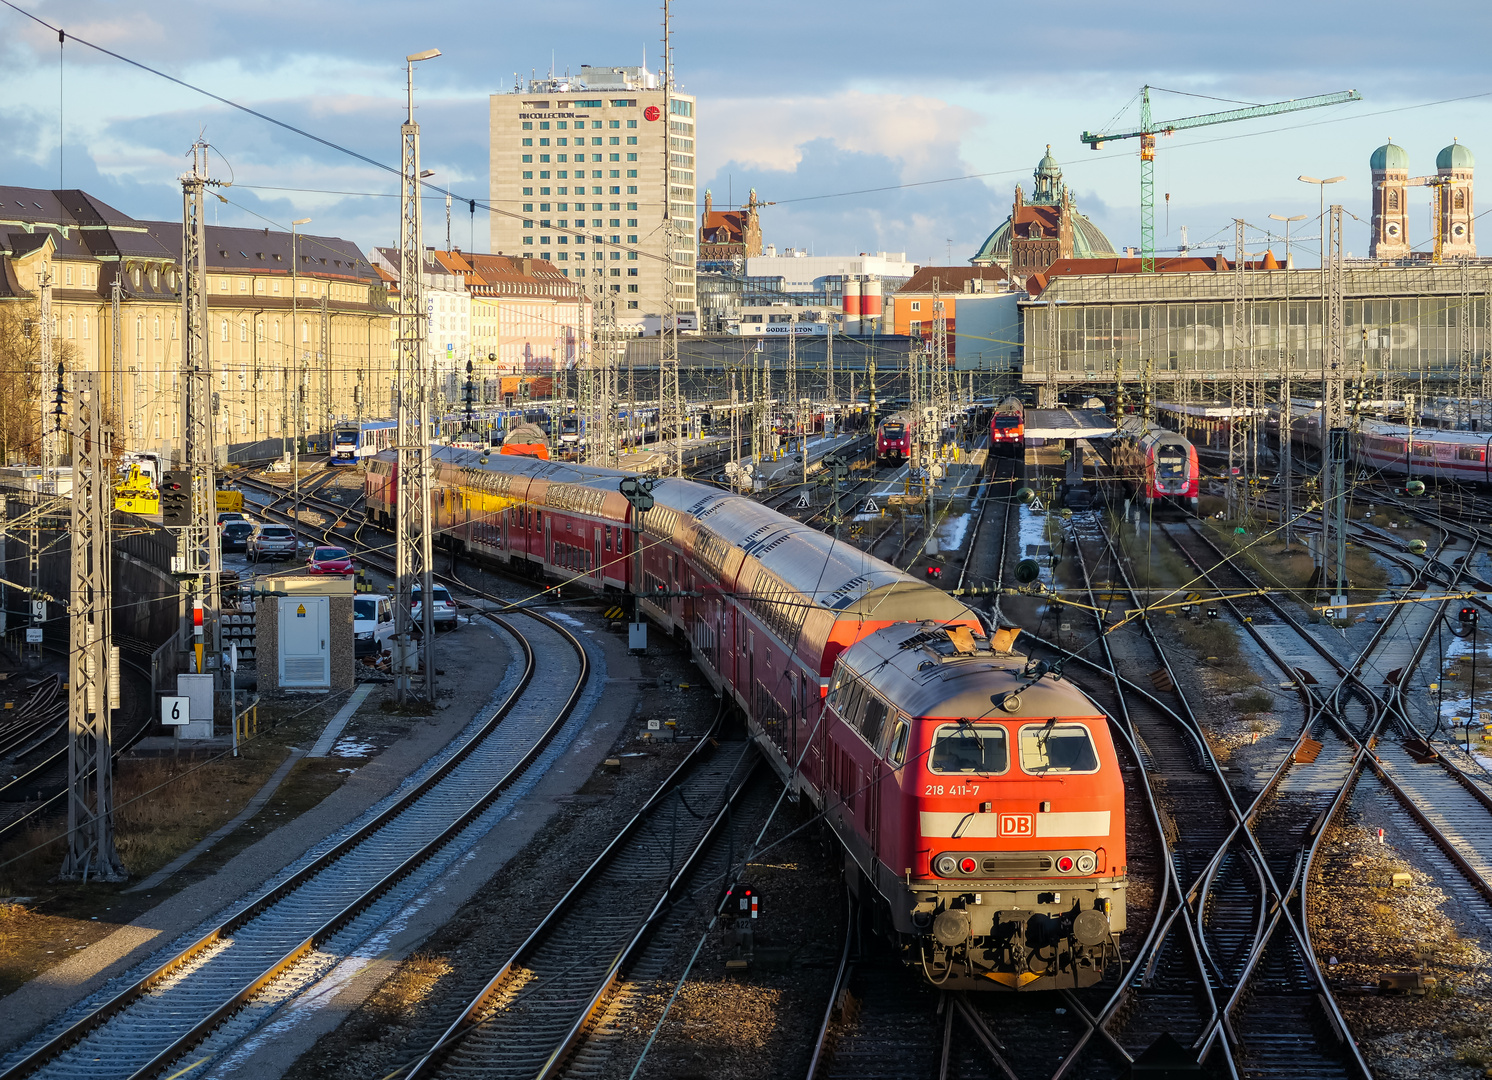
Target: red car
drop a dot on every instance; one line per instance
(330, 560)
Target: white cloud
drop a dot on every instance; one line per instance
(768, 133)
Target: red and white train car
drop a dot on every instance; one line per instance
(1007, 427)
(894, 439)
(1157, 464)
(980, 802)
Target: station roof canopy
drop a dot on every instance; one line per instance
(1068, 424)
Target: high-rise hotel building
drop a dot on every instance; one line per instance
(581, 171)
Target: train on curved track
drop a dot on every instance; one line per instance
(1417, 453)
(1156, 464)
(977, 796)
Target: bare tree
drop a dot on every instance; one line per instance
(21, 380)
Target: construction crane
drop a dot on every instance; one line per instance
(1149, 129)
(1439, 194)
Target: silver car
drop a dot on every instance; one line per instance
(443, 612)
(272, 542)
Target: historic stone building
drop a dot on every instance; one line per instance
(726, 236)
(294, 343)
(1042, 230)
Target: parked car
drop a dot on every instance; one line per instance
(272, 542)
(372, 624)
(443, 612)
(330, 560)
(225, 516)
(235, 535)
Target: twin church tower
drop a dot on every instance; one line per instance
(1454, 166)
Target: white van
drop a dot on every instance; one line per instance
(372, 624)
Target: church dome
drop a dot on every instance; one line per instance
(1455, 156)
(1048, 166)
(1088, 242)
(1389, 156)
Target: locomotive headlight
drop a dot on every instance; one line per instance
(946, 866)
(1086, 863)
(1065, 864)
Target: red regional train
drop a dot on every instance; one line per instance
(1156, 463)
(1007, 427)
(894, 439)
(978, 798)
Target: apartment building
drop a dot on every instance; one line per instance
(298, 335)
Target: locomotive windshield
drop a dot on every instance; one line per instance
(1007, 420)
(1169, 463)
(969, 749)
(346, 438)
(1057, 748)
(892, 431)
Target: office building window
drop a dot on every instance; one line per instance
(631, 140)
(631, 288)
(616, 256)
(614, 123)
(528, 207)
(543, 191)
(615, 173)
(615, 140)
(528, 125)
(563, 255)
(543, 240)
(528, 190)
(614, 157)
(632, 255)
(631, 189)
(631, 123)
(543, 126)
(631, 271)
(528, 157)
(544, 157)
(595, 157)
(544, 142)
(632, 239)
(631, 223)
(631, 206)
(631, 305)
(543, 174)
(528, 174)
(529, 240)
(615, 273)
(563, 174)
(616, 191)
(595, 123)
(631, 157)
(528, 142)
(528, 223)
(631, 174)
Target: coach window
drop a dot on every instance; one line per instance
(897, 748)
(872, 719)
(967, 748)
(1057, 748)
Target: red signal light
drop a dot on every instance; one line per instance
(1064, 864)
(967, 865)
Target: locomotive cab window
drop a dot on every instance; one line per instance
(967, 748)
(1057, 748)
(896, 750)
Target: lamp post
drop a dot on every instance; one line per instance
(294, 317)
(1287, 418)
(1321, 189)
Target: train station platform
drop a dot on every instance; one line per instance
(1068, 424)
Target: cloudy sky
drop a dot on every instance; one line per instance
(872, 126)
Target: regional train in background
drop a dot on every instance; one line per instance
(1007, 428)
(979, 800)
(894, 439)
(1155, 463)
(1418, 453)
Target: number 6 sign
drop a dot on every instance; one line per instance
(176, 710)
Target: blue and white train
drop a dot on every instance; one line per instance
(353, 442)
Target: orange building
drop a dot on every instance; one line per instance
(910, 309)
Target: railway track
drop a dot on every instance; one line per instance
(198, 1001)
(538, 1010)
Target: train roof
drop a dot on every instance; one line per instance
(835, 575)
(1064, 423)
(1385, 430)
(1135, 426)
(928, 671)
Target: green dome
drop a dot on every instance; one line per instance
(1455, 156)
(1048, 166)
(1088, 242)
(1389, 156)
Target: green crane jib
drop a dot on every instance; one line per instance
(1148, 130)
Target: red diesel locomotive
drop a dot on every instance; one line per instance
(894, 439)
(979, 799)
(1007, 427)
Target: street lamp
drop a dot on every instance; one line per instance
(294, 329)
(1321, 188)
(1287, 429)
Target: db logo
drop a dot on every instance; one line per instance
(1017, 825)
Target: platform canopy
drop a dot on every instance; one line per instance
(1068, 424)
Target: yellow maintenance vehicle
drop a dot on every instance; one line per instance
(137, 495)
